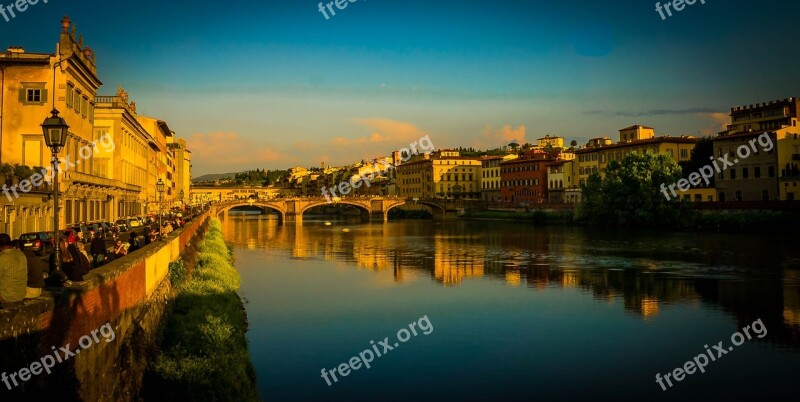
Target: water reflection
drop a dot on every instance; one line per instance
(748, 278)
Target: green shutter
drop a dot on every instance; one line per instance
(22, 94)
(44, 95)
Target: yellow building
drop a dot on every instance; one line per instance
(636, 133)
(183, 173)
(550, 142)
(163, 166)
(29, 94)
(442, 174)
(130, 159)
(595, 156)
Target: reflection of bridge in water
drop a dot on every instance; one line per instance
(371, 208)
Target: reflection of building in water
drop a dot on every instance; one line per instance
(513, 278)
(249, 231)
(791, 306)
(570, 279)
(457, 258)
(649, 307)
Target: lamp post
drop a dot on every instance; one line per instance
(160, 190)
(55, 131)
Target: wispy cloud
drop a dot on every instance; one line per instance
(218, 151)
(493, 138)
(718, 122)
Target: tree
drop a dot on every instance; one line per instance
(701, 154)
(630, 193)
(573, 143)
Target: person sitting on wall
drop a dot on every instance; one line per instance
(84, 262)
(98, 250)
(120, 250)
(37, 272)
(13, 271)
(70, 261)
(133, 242)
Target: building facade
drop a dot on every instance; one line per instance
(524, 179)
(101, 167)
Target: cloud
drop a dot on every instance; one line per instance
(227, 151)
(654, 112)
(391, 133)
(719, 121)
(492, 138)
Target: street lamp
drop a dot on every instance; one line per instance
(180, 195)
(55, 131)
(160, 190)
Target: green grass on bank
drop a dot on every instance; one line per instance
(204, 353)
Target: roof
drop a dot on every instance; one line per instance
(654, 140)
(634, 127)
(741, 135)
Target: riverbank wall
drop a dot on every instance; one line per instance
(73, 326)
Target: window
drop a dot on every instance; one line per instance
(745, 173)
(757, 172)
(771, 171)
(733, 174)
(33, 93)
(765, 195)
(684, 153)
(738, 196)
(70, 92)
(698, 198)
(719, 152)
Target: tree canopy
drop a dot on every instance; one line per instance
(630, 192)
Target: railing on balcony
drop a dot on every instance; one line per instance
(86, 178)
(110, 102)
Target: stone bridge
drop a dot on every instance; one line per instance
(372, 208)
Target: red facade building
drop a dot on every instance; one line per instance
(524, 180)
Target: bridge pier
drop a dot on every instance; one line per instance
(294, 218)
(381, 216)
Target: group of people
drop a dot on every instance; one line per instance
(24, 272)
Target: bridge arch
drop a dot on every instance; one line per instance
(264, 205)
(364, 208)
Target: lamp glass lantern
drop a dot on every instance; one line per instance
(55, 131)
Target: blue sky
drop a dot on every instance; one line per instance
(273, 84)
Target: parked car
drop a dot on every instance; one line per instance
(134, 223)
(122, 224)
(37, 241)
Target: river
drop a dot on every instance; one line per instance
(516, 312)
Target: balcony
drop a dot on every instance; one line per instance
(111, 102)
(85, 178)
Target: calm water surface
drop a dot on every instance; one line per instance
(518, 313)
